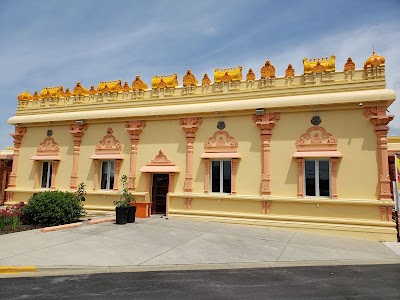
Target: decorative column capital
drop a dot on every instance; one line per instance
(18, 135)
(266, 122)
(190, 125)
(77, 132)
(135, 128)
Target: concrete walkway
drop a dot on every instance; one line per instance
(158, 243)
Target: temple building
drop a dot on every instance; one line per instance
(305, 152)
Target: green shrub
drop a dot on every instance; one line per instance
(53, 208)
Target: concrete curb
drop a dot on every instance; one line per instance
(61, 227)
(92, 222)
(84, 270)
(16, 269)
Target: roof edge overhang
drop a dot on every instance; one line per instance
(275, 103)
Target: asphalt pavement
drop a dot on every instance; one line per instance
(323, 282)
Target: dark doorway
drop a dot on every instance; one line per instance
(159, 193)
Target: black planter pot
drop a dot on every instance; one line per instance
(131, 214)
(121, 215)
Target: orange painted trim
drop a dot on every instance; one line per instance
(45, 157)
(220, 155)
(143, 209)
(92, 222)
(61, 227)
(317, 154)
(107, 156)
(159, 169)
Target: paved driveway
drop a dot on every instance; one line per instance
(159, 242)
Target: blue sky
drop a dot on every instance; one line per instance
(49, 43)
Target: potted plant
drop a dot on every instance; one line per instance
(124, 210)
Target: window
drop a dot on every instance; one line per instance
(221, 176)
(107, 175)
(47, 170)
(317, 178)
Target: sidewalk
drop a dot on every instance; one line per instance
(158, 243)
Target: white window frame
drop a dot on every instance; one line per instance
(221, 175)
(49, 174)
(108, 174)
(316, 165)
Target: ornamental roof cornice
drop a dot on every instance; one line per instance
(319, 74)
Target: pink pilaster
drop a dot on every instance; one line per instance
(300, 176)
(134, 129)
(17, 136)
(206, 175)
(77, 132)
(54, 167)
(377, 115)
(96, 173)
(190, 126)
(334, 166)
(266, 123)
(36, 165)
(234, 172)
(117, 168)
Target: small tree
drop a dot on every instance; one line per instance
(81, 192)
(126, 196)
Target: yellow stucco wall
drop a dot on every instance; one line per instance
(247, 134)
(30, 142)
(357, 171)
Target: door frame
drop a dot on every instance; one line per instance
(149, 187)
(154, 201)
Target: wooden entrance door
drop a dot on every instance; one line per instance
(159, 193)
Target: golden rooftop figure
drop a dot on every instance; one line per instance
(231, 74)
(268, 70)
(374, 60)
(164, 81)
(138, 84)
(79, 90)
(113, 86)
(189, 79)
(319, 65)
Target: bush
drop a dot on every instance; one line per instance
(52, 208)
